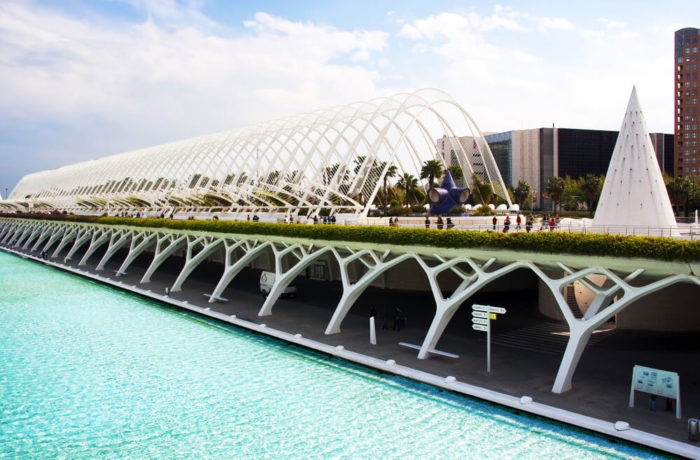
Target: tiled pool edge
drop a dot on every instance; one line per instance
(448, 383)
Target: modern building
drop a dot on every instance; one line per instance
(534, 155)
(686, 103)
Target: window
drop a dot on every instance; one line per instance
(687, 50)
(695, 49)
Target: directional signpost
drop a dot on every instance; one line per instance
(482, 315)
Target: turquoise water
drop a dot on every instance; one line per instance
(88, 371)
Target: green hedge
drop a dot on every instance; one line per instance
(546, 242)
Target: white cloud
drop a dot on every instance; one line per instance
(612, 24)
(165, 81)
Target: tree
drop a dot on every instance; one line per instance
(430, 170)
(591, 186)
(390, 173)
(456, 172)
(678, 190)
(481, 190)
(522, 193)
(555, 189)
(408, 183)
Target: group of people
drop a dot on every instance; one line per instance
(393, 222)
(529, 223)
(440, 224)
(324, 220)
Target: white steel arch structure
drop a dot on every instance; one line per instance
(335, 158)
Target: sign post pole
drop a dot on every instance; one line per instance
(481, 321)
(488, 347)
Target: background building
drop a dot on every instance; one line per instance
(534, 155)
(687, 107)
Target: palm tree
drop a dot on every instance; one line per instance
(390, 173)
(591, 186)
(409, 183)
(555, 189)
(430, 170)
(521, 192)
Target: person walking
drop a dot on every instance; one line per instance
(495, 222)
(450, 225)
(440, 223)
(528, 224)
(427, 222)
(518, 221)
(506, 224)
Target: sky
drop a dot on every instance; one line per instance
(85, 79)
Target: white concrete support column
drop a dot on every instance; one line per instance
(99, 238)
(231, 269)
(45, 233)
(192, 261)
(470, 285)
(57, 234)
(35, 233)
(116, 242)
(139, 243)
(581, 329)
(84, 234)
(352, 291)
(282, 280)
(25, 233)
(165, 247)
(11, 232)
(68, 236)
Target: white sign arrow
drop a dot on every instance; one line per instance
(480, 327)
(480, 314)
(489, 308)
(480, 321)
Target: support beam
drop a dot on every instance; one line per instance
(282, 280)
(165, 247)
(98, 239)
(68, 236)
(232, 269)
(116, 242)
(83, 235)
(192, 261)
(352, 291)
(139, 243)
(45, 233)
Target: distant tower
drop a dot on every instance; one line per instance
(634, 193)
(687, 135)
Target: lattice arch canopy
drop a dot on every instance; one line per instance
(335, 158)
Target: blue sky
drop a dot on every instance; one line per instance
(84, 79)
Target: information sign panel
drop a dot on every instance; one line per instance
(480, 320)
(492, 316)
(480, 314)
(480, 327)
(656, 382)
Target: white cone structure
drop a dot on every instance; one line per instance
(634, 193)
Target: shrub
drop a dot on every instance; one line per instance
(457, 211)
(546, 242)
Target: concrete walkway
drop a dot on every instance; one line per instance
(526, 349)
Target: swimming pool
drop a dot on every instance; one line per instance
(90, 371)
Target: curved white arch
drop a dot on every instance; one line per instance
(333, 158)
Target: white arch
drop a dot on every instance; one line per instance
(332, 158)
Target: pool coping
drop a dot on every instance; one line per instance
(524, 403)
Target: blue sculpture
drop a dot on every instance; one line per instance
(447, 196)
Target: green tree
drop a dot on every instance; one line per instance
(390, 173)
(522, 193)
(457, 174)
(591, 186)
(430, 170)
(678, 190)
(555, 189)
(481, 191)
(408, 183)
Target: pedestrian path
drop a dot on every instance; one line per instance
(546, 337)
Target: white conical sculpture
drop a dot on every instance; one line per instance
(634, 193)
